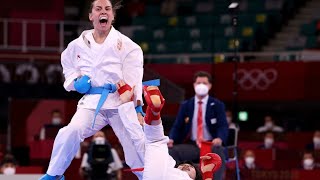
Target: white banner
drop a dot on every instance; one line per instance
(21, 177)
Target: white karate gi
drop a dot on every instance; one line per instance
(158, 164)
(117, 58)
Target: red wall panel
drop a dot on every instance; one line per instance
(261, 81)
(257, 81)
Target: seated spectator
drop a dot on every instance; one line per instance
(246, 164)
(249, 160)
(269, 142)
(56, 116)
(229, 117)
(8, 165)
(56, 124)
(315, 145)
(101, 161)
(308, 161)
(269, 125)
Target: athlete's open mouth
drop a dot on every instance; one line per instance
(103, 19)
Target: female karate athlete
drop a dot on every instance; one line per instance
(92, 65)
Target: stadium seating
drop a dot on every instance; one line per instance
(210, 30)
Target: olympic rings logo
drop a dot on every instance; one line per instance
(256, 78)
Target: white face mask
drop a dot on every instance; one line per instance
(100, 140)
(307, 163)
(268, 142)
(269, 124)
(56, 120)
(316, 141)
(9, 171)
(229, 119)
(249, 160)
(201, 89)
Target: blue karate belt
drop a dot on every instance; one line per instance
(154, 82)
(111, 88)
(104, 91)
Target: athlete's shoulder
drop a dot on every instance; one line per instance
(128, 42)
